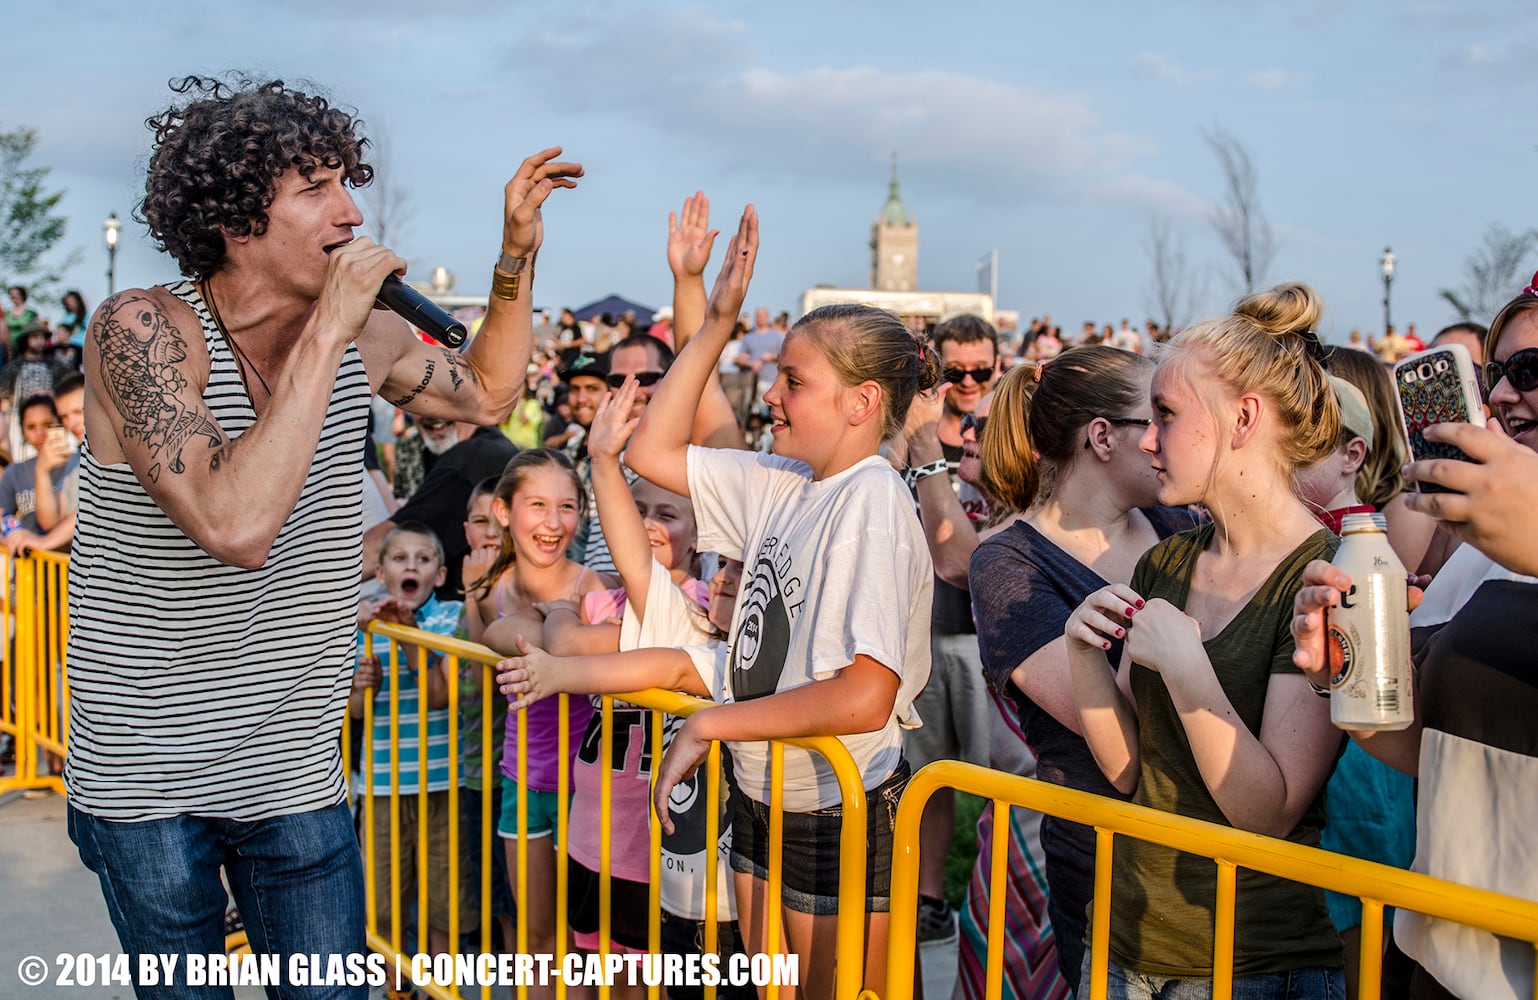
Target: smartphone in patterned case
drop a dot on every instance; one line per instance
(1437, 386)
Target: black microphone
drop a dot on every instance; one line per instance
(420, 311)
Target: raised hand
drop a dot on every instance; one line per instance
(690, 237)
(736, 272)
(612, 425)
(523, 228)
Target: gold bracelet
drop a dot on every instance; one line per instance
(505, 286)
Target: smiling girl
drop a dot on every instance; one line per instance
(537, 503)
(1207, 716)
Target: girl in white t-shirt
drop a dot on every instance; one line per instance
(830, 636)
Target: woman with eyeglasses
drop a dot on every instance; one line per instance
(1207, 716)
(1061, 457)
(1472, 746)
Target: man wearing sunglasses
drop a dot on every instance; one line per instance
(954, 705)
(457, 456)
(643, 356)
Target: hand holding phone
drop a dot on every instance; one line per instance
(1437, 386)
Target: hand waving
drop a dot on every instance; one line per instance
(523, 228)
(612, 425)
(736, 272)
(690, 237)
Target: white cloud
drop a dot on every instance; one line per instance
(1158, 66)
(1487, 64)
(974, 138)
(1270, 79)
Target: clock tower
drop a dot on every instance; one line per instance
(894, 245)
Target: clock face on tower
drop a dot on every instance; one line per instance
(898, 260)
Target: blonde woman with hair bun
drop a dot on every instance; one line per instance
(1207, 716)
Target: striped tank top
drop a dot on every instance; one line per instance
(205, 689)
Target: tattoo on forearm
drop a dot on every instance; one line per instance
(427, 376)
(140, 351)
(459, 372)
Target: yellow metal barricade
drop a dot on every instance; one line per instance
(34, 685)
(1375, 884)
(852, 891)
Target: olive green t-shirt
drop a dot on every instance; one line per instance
(1163, 901)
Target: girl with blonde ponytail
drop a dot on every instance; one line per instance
(1061, 451)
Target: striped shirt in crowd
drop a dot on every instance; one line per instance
(441, 617)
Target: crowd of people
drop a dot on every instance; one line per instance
(1101, 560)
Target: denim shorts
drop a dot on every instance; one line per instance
(812, 855)
(1295, 984)
(544, 811)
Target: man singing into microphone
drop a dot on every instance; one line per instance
(214, 584)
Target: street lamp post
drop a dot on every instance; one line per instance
(110, 228)
(1387, 263)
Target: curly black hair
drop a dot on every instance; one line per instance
(218, 156)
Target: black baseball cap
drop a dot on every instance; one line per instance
(592, 365)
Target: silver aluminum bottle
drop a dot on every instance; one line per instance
(1374, 688)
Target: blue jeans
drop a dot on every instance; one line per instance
(297, 879)
(1298, 984)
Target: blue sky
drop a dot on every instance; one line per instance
(1050, 132)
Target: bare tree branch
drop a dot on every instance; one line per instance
(1174, 287)
(387, 206)
(1238, 220)
(1494, 272)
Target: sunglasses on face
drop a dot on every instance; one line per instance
(972, 422)
(1521, 370)
(647, 379)
(979, 375)
(1122, 422)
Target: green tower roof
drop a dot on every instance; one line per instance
(893, 213)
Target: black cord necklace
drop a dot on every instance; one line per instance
(242, 363)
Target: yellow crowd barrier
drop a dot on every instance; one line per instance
(34, 710)
(1375, 884)
(34, 686)
(447, 654)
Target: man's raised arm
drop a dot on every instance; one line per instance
(482, 384)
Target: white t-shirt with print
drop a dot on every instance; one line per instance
(832, 569)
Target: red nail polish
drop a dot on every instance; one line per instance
(1140, 602)
(1105, 645)
(1130, 612)
(1120, 632)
